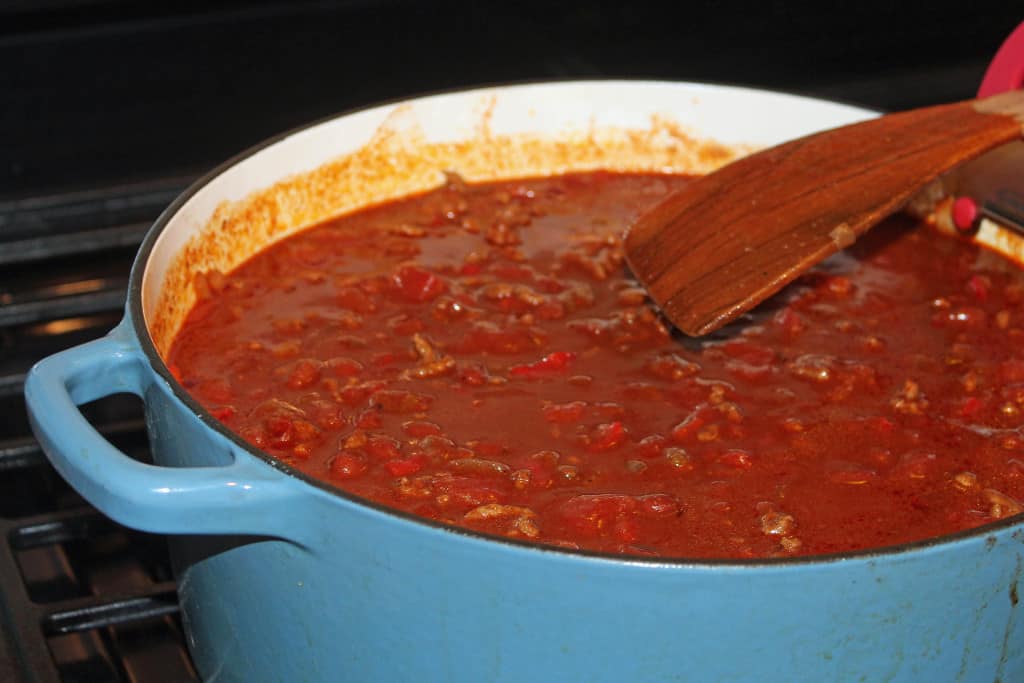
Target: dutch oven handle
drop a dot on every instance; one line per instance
(244, 497)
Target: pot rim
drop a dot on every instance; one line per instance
(156, 362)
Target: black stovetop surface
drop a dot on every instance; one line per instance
(110, 108)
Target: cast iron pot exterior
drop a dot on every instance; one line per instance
(285, 579)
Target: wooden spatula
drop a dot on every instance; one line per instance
(731, 239)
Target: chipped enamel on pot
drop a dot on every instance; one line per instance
(283, 578)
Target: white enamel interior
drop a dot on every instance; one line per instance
(729, 115)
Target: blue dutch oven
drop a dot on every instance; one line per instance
(283, 578)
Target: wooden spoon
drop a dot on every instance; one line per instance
(730, 239)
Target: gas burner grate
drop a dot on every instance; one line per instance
(82, 599)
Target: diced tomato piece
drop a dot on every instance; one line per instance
(692, 423)
(971, 406)
(383, 447)
(551, 363)
(348, 466)
(406, 466)
(304, 430)
(344, 367)
(369, 419)
(590, 513)
(278, 427)
(486, 336)
(542, 465)
(736, 458)
(327, 414)
(305, 372)
(606, 436)
(358, 393)
(473, 375)
(418, 285)
(443, 447)
(688, 427)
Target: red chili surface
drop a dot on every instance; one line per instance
(479, 355)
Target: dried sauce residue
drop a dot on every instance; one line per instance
(399, 161)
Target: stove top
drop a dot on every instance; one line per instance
(111, 108)
(81, 598)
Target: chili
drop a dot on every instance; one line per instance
(479, 355)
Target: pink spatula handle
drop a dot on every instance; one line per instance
(1006, 71)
